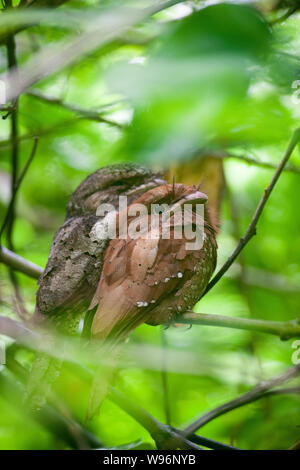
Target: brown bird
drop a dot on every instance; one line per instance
(153, 276)
(128, 281)
(71, 276)
(152, 279)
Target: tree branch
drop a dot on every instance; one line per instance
(251, 231)
(86, 113)
(165, 436)
(18, 331)
(4, 144)
(18, 263)
(284, 329)
(17, 186)
(256, 393)
(13, 67)
(253, 161)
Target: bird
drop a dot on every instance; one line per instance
(75, 260)
(71, 276)
(154, 278)
(151, 274)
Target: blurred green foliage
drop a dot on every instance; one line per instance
(186, 79)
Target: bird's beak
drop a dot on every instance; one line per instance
(196, 198)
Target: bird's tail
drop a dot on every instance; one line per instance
(103, 378)
(46, 368)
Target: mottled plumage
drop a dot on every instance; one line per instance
(152, 280)
(123, 282)
(70, 279)
(75, 261)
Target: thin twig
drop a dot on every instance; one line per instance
(256, 393)
(86, 113)
(18, 331)
(285, 16)
(285, 330)
(17, 185)
(224, 155)
(164, 436)
(13, 66)
(217, 445)
(9, 220)
(251, 231)
(4, 144)
(295, 446)
(254, 277)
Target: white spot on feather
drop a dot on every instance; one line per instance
(140, 304)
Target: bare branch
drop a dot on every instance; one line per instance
(18, 263)
(251, 231)
(9, 219)
(4, 144)
(12, 65)
(224, 155)
(18, 331)
(295, 446)
(256, 393)
(285, 16)
(284, 329)
(17, 186)
(86, 113)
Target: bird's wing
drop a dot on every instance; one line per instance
(137, 274)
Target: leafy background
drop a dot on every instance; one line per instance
(191, 77)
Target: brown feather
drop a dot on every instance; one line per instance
(150, 280)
